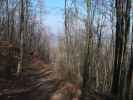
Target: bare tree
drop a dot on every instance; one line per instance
(122, 31)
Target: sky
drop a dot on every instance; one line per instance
(54, 15)
(53, 18)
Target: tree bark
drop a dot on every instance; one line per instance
(122, 31)
(129, 73)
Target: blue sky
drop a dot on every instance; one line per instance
(54, 15)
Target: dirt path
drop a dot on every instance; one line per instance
(35, 83)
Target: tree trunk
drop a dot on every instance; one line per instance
(21, 37)
(122, 31)
(129, 73)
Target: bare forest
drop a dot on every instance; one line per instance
(90, 57)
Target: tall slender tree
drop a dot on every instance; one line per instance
(122, 31)
(129, 73)
(21, 35)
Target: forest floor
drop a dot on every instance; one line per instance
(34, 83)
